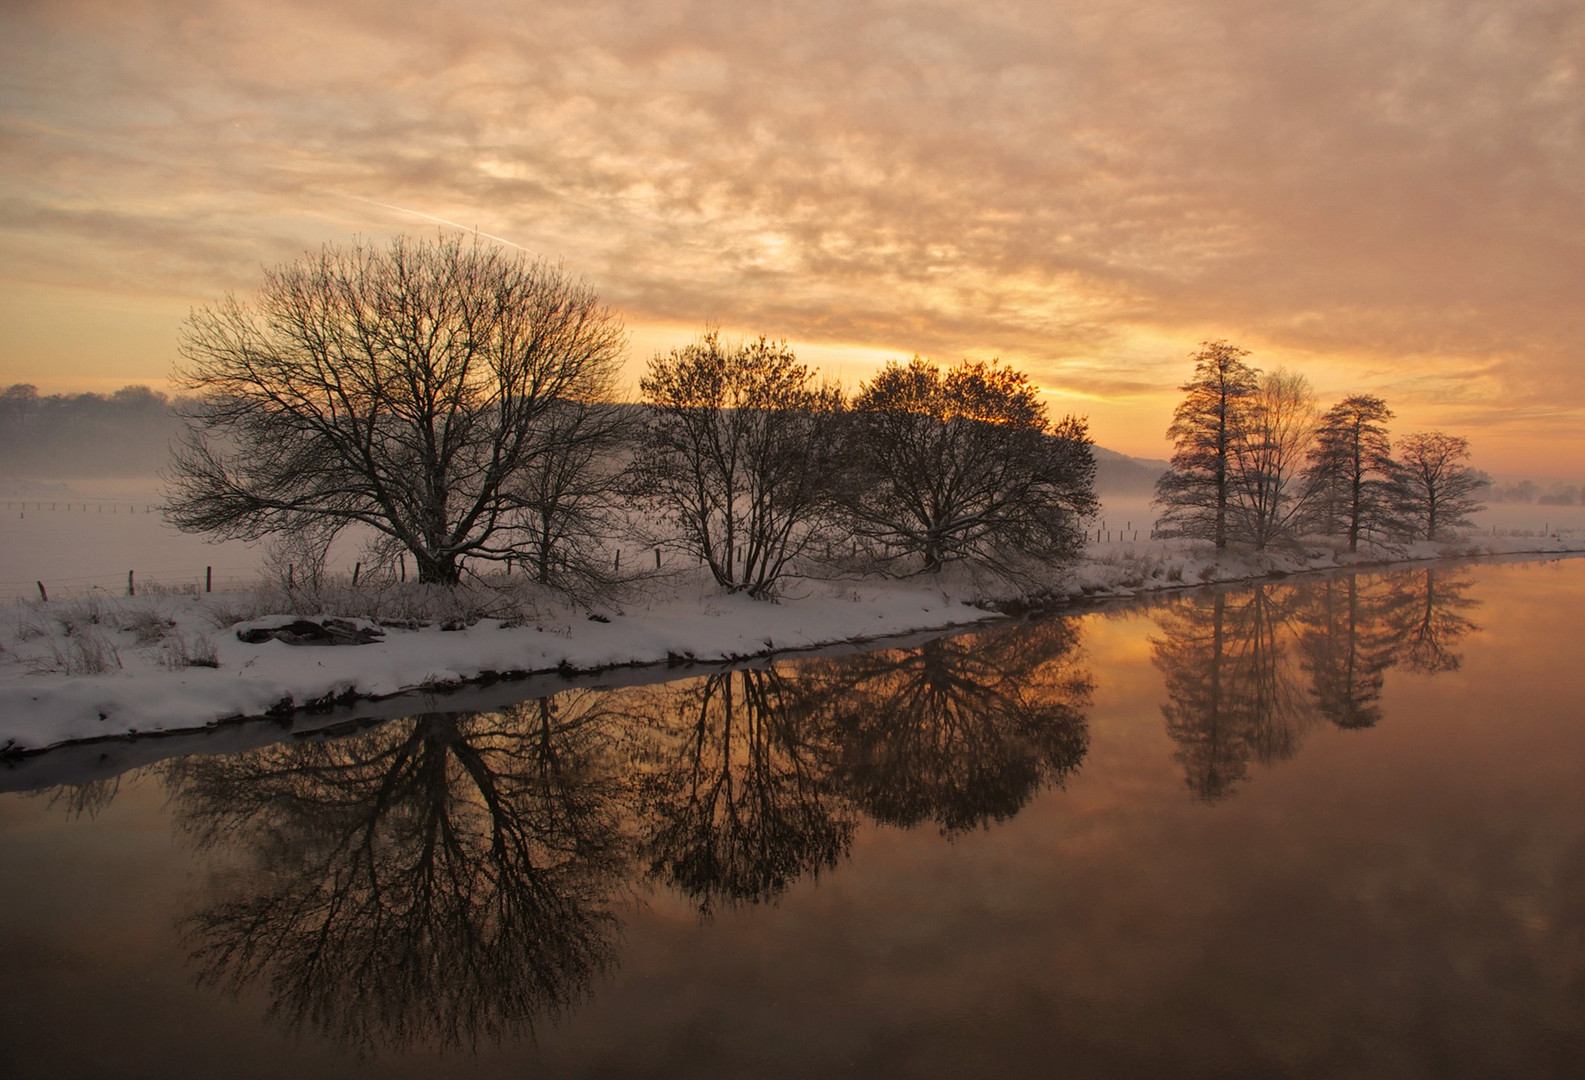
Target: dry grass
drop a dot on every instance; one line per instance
(512, 600)
(83, 652)
(179, 651)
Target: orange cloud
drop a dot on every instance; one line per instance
(1383, 193)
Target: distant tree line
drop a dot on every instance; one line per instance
(456, 401)
(123, 434)
(1256, 462)
(1528, 491)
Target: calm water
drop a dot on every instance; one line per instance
(1328, 827)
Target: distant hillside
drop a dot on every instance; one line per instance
(1119, 474)
(129, 433)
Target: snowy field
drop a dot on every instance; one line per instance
(86, 535)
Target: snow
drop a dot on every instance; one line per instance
(93, 663)
(102, 666)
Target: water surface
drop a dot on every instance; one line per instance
(1319, 828)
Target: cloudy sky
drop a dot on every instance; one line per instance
(1388, 195)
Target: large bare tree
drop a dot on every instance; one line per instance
(1434, 490)
(738, 455)
(402, 388)
(1268, 456)
(1349, 477)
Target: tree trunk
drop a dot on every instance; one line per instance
(437, 569)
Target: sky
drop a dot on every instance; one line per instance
(1387, 195)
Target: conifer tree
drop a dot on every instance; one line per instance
(1348, 477)
(1198, 491)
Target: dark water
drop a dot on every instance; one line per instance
(1328, 827)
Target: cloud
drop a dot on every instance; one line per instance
(1390, 187)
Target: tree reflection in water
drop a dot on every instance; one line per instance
(442, 879)
(752, 779)
(1229, 694)
(1236, 693)
(962, 731)
(1348, 646)
(1427, 616)
(735, 798)
(448, 879)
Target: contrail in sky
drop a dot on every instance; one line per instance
(432, 217)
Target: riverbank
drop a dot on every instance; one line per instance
(103, 667)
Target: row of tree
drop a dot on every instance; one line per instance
(457, 401)
(124, 433)
(1256, 462)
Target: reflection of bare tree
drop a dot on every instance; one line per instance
(1230, 684)
(1234, 692)
(733, 789)
(963, 730)
(1278, 709)
(751, 778)
(1426, 613)
(86, 799)
(1348, 648)
(438, 880)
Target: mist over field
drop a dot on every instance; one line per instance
(81, 490)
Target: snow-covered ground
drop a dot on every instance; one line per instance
(85, 535)
(94, 663)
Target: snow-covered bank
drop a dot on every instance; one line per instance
(98, 667)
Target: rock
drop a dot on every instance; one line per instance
(308, 632)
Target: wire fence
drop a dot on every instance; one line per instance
(189, 580)
(82, 506)
(196, 580)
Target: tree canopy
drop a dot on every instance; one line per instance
(962, 464)
(400, 387)
(739, 453)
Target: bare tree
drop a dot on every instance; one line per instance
(1433, 491)
(572, 494)
(1268, 458)
(1350, 471)
(1197, 493)
(963, 465)
(402, 388)
(739, 454)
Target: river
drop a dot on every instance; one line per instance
(1320, 827)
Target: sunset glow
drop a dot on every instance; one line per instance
(1386, 195)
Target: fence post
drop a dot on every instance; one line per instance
(132, 586)
(358, 566)
(42, 594)
(401, 561)
(657, 558)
